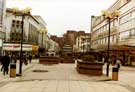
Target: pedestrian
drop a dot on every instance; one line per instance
(103, 60)
(6, 62)
(118, 62)
(30, 58)
(2, 67)
(24, 59)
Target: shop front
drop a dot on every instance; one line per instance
(16, 48)
(35, 49)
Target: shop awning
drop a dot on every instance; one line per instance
(16, 47)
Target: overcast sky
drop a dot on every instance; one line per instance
(62, 15)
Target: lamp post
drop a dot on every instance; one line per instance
(23, 13)
(43, 31)
(45, 39)
(110, 16)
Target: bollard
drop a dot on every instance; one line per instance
(115, 74)
(12, 70)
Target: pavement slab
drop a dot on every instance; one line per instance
(62, 86)
(59, 72)
(65, 78)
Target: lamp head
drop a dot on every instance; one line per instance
(46, 31)
(15, 9)
(43, 31)
(103, 13)
(117, 13)
(26, 10)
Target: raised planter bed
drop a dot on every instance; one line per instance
(49, 60)
(64, 60)
(90, 68)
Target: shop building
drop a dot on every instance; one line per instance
(121, 34)
(14, 31)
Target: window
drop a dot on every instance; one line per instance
(111, 24)
(127, 17)
(133, 14)
(133, 32)
(124, 35)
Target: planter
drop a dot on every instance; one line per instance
(65, 60)
(49, 60)
(90, 68)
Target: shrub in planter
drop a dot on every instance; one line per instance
(88, 58)
(89, 66)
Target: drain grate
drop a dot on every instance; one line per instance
(40, 71)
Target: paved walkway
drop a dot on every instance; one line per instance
(59, 72)
(24, 68)
(62, 86)
(64, 78)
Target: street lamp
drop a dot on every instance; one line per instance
(23, 13)
(43, 31)
(110, 16)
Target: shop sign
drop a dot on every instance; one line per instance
(17, 47)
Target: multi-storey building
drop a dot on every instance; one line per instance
(121, 34)
(2, 24)
(82, 43)
(42, 26)
(53, 48)
(126, 24)
(14, 31)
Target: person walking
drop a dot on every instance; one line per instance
(6, 62)
(118, 62)
(24, 58)
(2, 67)
(30, 58)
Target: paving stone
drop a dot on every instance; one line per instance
(64, 78)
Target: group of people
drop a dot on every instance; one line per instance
(117, 61)
(7, 59)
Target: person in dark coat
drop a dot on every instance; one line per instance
(6, 62)
(30, 58)
(2, 67)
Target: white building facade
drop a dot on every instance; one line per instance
(42, 34)
(82, 44)
(53, 48)
(13, 31)
(2, 24)
(122, 33)
(126, 24)
(100, 27)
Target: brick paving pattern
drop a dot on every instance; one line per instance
(64, 78)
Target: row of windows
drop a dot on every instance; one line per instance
(16, 26)
(16, 23)
(33, 34)
(15, 31)
(106, 27)
(127, 34)
(113, 39)
(104, 40)
(127, 17)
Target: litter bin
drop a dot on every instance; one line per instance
(115, 73)
(12, 70)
